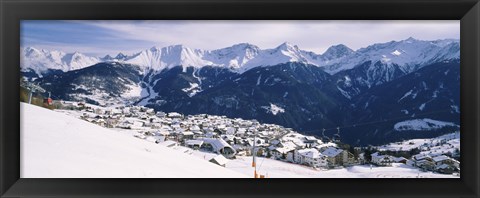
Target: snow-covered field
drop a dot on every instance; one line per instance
(54, 145)
(278, 169)
(273, 109)
(421, 124)
(433, 146)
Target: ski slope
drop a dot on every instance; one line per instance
(55, 145)
(278, 169)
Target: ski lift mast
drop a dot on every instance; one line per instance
(337, 135)
(31, 89)
(324, 136)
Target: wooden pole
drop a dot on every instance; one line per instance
(254, 154)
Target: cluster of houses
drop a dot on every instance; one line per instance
(427, 162)
(237, 137)
(438, 163)
(219, 134)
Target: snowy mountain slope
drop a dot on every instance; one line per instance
(421, 125)
(287, 94)
(168, 57)
(235, 56)
(448, 143)
(431, 93)
(119, 57)
(307, 97)
(409, 55)
(239, 58)
(41, 60)
(103, 84)
(54, 145)
(381, 63)
(239, 81)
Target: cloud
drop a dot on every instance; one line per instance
(317, 36)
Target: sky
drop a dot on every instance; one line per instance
(100, 38)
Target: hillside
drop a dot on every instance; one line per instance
(384, 83)
(55, 145)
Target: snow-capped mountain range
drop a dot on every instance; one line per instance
(409, 54)
(406, 79)
(41, 61)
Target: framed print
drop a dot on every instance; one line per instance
(204, 98)
(277, 112)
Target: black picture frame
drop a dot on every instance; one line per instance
(12, 11)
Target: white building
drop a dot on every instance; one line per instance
(219, 146)
(175, 115)
(311, 157)
(382, 160)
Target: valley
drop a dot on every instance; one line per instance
(364, 92)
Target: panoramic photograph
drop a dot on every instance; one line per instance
(239, 99)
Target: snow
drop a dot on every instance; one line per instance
(243, 57)
(220, 159)
(405, 95)
(273, 109)
(40, 60)
(347, 81)
(279, 169)
(134, 91)
(384, 59)
(54, 145)
(435, 93)
(455, 108)
(422, 106)
(344, 93)
(421, 125)
(168, 57)
(148, 93)
(216, 143)
(310, 152)
(259, 80)
(332, 151)
(192, 90)
(439, 145)
(396, 53)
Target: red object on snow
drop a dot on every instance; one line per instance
(47, 101)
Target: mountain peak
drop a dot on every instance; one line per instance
(168, 49)
(107, 57)
(244, 46)
(42, 61)
(244, 56)
(337, 51)
(340, 46)
(154, 49)
(178, 46)
(287, 45)
(31, 50)
(120, 55)
(410, 39)
(76, 53)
